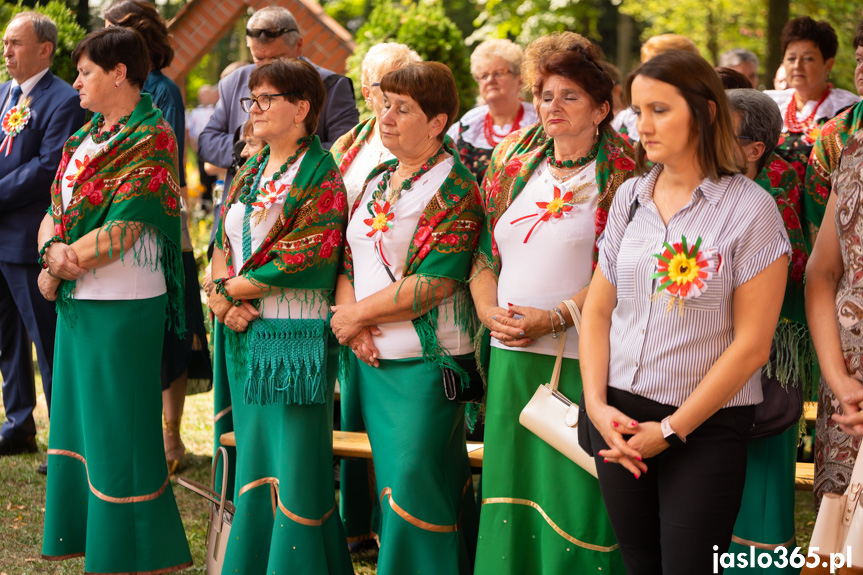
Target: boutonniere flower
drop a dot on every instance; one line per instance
(268, 196)
(561, 204)
(682, 271)
(379, 224)
(13, 122)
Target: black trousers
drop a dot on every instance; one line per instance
(674, 518)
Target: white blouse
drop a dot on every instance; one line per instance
(556, 261)
(122, 279)
(399, 339)
(474, 120)
(372, 153)
(276, 305)
(837, 100)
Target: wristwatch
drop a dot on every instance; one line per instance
(670, 435)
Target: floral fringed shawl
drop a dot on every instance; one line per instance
(285, 359)
(614, 165)
(131, 185)
(795, 354)
(442, 248)
(514, 144)
(823, 160)
(346, 148)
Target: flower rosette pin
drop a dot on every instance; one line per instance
(13, 122)
(268, 196)
(561, 204)
(682, 271)
(379, 224)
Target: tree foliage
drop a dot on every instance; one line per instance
(719, 25)
(528, 20)
(70, 33)
(425, 27)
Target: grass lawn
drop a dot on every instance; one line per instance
(22, 500)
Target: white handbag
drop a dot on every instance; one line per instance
(221, 513)
(554, 418)
(838, 532)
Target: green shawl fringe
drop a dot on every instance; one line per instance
(165, 255)
(795, 356)
(465, 319)
(281, 361)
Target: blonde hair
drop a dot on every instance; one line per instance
(657, 45)
(507, 50)
(384, 58)
(540, 49)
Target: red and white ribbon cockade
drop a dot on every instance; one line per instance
(380, 223)
(558, 207)
(13, 122)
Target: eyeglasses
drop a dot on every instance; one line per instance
(269, 32)
(744, 138)
(264, 101)
(496, 75)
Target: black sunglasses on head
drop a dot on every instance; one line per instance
(269, 32)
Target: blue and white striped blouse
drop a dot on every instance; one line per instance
(660, 354)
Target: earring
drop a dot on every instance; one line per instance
(116, 85)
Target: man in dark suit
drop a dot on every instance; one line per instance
(26, 173)
(271, 33)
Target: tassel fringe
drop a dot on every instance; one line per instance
(162, 254)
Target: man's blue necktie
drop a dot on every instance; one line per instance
(13, 99)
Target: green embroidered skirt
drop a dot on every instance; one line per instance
(358, 503)
(428, 513)
(109, 496)
(767, 509)
(286, 521)
(541, 513)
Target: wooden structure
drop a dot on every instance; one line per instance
(200, 24)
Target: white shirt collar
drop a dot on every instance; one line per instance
(30, 83)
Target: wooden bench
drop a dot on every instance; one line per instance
(351, 444)
(355, 444)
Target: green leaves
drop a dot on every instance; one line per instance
(425, 27)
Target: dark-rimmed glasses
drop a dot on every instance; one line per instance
(268, 32)
(264, 101)
(744, 138)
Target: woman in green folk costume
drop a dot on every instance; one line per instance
(112, 258)
(529, 138)
(404, 311)
(357, 153)
(274, 268)
(545, 211)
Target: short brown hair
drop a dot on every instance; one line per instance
(820, 33)
(541, 49)
(115, 45)
(144, 19)
(698, 84)
(580, 63)
(294, 76)
(431, 84)
(858, 35)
